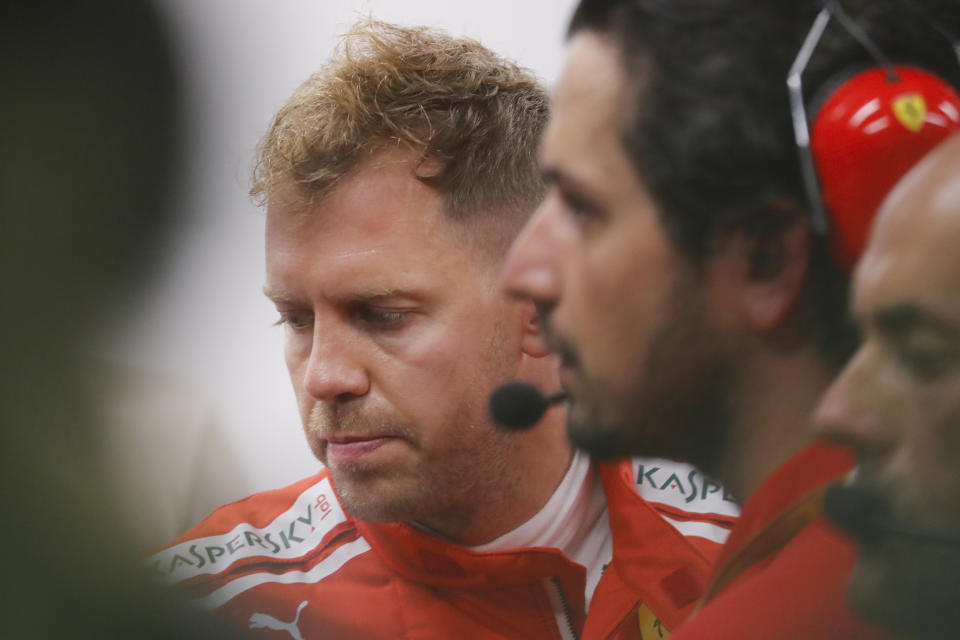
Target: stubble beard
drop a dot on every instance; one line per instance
(444, 487)
(908, 587)
(678, 406)
(368, 491)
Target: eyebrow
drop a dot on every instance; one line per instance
(367, 295)
(553, 175)
(278, 296)
(379, 293)
(550, 175)
(903, 318)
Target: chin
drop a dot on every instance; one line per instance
(868, 593)
(908, 588)
(373, 498)
(601, 440)
(600, 445)
(374, 508)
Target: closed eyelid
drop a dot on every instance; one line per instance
(573, 191)
(903, 321)
(294, 319)
(378, 319)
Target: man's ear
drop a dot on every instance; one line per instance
(775, 278)
(532, 343)
(765, 273)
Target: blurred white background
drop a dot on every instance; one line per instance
(205, 323)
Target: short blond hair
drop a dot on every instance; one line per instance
(453, 101)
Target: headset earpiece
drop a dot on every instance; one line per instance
(868, 133)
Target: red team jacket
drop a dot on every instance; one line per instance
(291, 563)
(798, 592)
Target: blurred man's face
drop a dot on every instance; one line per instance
(898, 401)
(620, 305)
(395, 335)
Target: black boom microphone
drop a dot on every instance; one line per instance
(518, 405)
(866, 515)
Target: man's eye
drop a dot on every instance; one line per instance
(924, 365)
(295, 321)
(380, 317)
(579, 211)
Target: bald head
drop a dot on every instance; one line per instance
(898, 400)
(924, 204)
(913, 245)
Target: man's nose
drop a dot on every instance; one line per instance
(531, 269)
(335, 369)
(854, 410)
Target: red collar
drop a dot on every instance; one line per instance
(813, 467)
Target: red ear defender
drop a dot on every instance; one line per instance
(869, 132)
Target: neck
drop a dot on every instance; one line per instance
(538, 461)
(776, 397)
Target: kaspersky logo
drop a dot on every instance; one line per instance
(291, 534)
(272, 542)
(680, 479)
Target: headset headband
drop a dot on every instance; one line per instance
(831, 165)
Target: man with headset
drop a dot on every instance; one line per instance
(898, 403)
(698, 312)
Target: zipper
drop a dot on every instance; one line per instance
(561, 610)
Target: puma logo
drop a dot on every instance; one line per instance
(264, 621)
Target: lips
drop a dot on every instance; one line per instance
(351, 439)
(355, 448)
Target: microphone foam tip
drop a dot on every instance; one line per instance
(517, 405)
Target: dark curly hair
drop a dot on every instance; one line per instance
(710, 130)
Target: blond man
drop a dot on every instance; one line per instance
(394, 180)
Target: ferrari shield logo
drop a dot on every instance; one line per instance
(650, 626)
(910, 110)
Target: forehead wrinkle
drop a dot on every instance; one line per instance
(911, 259)
(357, 253)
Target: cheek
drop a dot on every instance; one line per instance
(927, 462)
(624, 288)
(295, 356)
(432, 395)
(453, 364)
(936, 454)
(592, 293)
